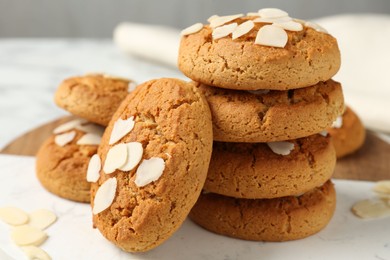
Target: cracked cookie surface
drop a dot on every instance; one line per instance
(94, 97)
(241, 116)
(253, 171)
(279, 219)
(308, 58)
(173, 122)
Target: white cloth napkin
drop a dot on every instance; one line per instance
(363, 41)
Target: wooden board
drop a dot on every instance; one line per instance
(371, 162)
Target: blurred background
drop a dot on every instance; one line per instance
(98, 18)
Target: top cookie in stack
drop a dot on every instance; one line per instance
(281, 66)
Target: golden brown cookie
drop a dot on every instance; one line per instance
(172, 122)
(254, 171)
(308, 57)
(61, 164)
(94, 97)
(279, 219)
(348, 134)
(242, 116)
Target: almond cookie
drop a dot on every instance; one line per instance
(348, 133)
(279, 219)
(94, 97)
(267, 116)
(62, 160)
(245, 53)
(255, 171)
(168, 122)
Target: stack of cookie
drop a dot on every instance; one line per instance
(267, 79)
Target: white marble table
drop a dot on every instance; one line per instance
(31, 69)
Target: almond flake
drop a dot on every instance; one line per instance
(282, 148)
(272, 13)
(242, 29)
(104, 196)
(27, 235)
(149, 171)
(89, 139)
(42, 218)
(35, 253)
(338, 123)
(316, 27)
(223, 31)
(212, 18)
(134, 156)
(324, 133)
(69, 126)
(121, 128)
(273, 20)
(290, 26)
(116, 158)
(252, 14)
(91, 128)
(192, 29)
(299, 21)
(13, 216)
(65, 138)
(221, 20)
(271, 35)
(94, 167)
(371, 209)
(382, 187)
(131, 87)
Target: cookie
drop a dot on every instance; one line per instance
(279, 219)
(94, 97)
(254, 171)
(348, 133)
(212, 57)
(171, 121)
(242, 116)
(62, 161)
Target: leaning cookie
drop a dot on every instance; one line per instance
(155, 153)
(270, 170)
(267, 116)
(94, 97)
(348, 133)
(265, 50)
(62, 160)
(279, 219)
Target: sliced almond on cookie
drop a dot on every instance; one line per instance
(282, 148)
(272, 13)
(223, 31)
(27, 235)
(192, 29)
(91, 128)
(134, 156)
(89, 139)
(69, 126)
(94, 167)
(42, 218)
(35, 253)
(316, 27)
(149, 171)
(271, 35)
(369, 209)
(65, 138)
(13, 216)
(121, 128)
(104, 196)
(272, 20)
(242, 29)
(290, 26)
(221, 20)
(116, 158)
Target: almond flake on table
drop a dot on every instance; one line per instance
(223, 31)
(272, 13)
(27, 235)
(290, 26)
(273, 20)
(131, 87)
(382, 187)
(221, 20)
(69, 126)
(35, 253)
(89, 139)
(13, 216)
(149, 171)
(65, 138)
(116, 158)
(134, 156)
(271, 35)
(42, 218)
(104, 196)
(242, 29)
(94, 167)
(369, 209)
(192, 29)
(338, 123)
(316, 27)
(281, 148)
(91, 128)
(121, 128)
